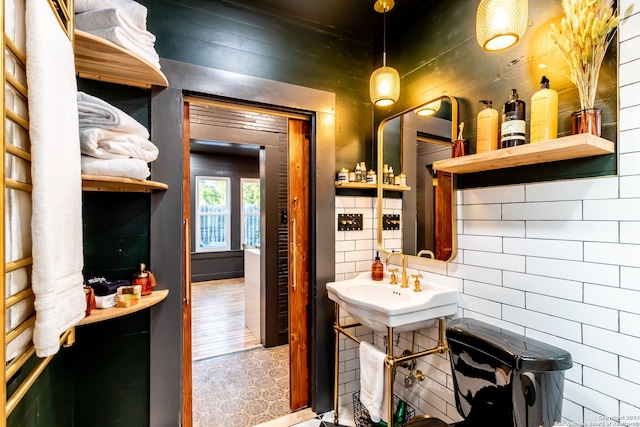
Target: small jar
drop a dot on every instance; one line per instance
(371, 177)
(343, 175)
(403, 180)
(352, 176)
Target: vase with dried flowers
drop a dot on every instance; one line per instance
(583, 37)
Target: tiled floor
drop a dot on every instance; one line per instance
(242, 389)
(307, 418)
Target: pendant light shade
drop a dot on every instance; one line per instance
(501, 23)
(384, 83)
(428, 109)
(384, 86)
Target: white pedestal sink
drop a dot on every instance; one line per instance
(377, 304)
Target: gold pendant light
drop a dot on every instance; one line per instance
(501, 23)
(384, 83)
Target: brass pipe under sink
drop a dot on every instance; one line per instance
(391, 362)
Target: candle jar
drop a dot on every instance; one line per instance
(144, 278)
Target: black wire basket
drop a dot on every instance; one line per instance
(362, 418)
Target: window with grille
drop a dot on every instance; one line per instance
(213, 214)
(250, 236)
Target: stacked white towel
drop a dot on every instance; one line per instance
(112, 143)
(123, 22)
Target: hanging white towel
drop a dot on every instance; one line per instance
(108, 144)
(57, 187)
(373, 382)
(136, 12)
(123, 168)
(95, 112)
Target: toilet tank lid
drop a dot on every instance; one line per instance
(528, 354)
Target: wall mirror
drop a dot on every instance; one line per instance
(410, 142)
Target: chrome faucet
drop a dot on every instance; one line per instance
(405, 282)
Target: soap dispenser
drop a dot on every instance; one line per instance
(544, 113)
(487, 128)
(377, 268)
(513, 121)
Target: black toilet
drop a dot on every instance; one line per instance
(502, 379)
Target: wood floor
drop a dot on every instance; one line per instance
(217, 323)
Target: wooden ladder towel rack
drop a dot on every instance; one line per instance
(16, 183)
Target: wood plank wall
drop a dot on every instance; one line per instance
(217, 35)
(436, 53)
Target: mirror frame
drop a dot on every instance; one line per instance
(379, 184)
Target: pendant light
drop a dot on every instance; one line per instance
(384, 83)
(501, 23)
(428, 109)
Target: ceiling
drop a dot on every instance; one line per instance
(355, 19)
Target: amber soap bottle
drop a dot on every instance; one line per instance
(487, 128)
(544, 113)
(377, 268)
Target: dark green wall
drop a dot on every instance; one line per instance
(50, 400)
(437, 53)
(108, 366)
(217, 35)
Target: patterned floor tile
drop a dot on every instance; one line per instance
(241, 389)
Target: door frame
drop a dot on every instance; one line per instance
(166, 379)
(270, 148)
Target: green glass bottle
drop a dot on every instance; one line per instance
(399, 417)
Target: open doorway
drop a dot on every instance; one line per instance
(232, 150)
(225, 242)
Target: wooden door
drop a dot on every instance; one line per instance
(444, 211)
(187, 410)
(298, 190)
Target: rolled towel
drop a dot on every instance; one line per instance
(95, 112)
(137, 13)
(101, 286)
(122, 168)
(128, 41)
(109, 144)
(107, 18)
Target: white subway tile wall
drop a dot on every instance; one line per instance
(557, 261)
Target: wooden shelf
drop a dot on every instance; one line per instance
(565, 148)
(115, 184)
(102, 314)
(366, 186)
(99, 59)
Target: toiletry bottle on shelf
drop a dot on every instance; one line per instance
(377, 268)
(544, 113)
(513, 121)
(343, 175)
(487, 132)
(358, 173)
